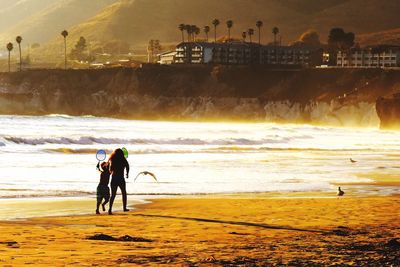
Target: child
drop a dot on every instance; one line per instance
(103, 191)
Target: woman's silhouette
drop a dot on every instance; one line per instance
(117, 165)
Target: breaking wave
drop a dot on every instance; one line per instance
(88, 140)
(221, 149)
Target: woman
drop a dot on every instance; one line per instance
(117, 165)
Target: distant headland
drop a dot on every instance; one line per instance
(338, 97)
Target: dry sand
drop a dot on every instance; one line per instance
(223, 231)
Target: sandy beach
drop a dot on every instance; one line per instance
(203, 231)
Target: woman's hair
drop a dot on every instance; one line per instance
(117, 158)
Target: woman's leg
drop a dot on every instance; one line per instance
(124, 197)
(113, 194)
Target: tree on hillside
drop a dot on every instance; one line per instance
(10, 47)
(244, 35)
(275, 31)
(259, 24)
(229, 25)
(188, 29)
(64, 34)
(182, 29)
(153, 48)
(215, 23)
(250, 32)
(340, 40)
(78, 53)
(196, 32)
(193, 31)
(19, 40)
(206, 31)
(309, 38)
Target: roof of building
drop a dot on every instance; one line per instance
(172, 52)
(247, 45)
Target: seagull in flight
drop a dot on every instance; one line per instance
(146, 173)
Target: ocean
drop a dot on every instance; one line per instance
(55, 156)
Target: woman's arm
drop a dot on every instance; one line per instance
(127, 169)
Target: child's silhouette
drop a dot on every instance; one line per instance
(103, 191)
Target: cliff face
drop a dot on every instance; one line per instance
(320, 96)
(388, 110)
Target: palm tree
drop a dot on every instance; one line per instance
(206, 31)
(188, 29)
(196, 31)
(19, 40)
(275, 31)
(64, 33)
(259, 24)
(193, 32)
(10, 47)
(244, 35)
(215, 23)
(250, 32)
(229, 24)
(181, 27)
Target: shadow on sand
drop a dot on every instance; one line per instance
(260, 225)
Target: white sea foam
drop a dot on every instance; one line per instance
(55, 155)
(89, 140)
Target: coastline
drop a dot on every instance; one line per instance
(221, 230)
(27, 208)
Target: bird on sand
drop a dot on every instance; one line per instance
(146, 173)
(352, 160)
(340, 192)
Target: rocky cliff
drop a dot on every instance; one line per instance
(388, 110)
(319, 96)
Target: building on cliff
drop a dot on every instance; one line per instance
(383, 56)
(242, 53)
(166, 58)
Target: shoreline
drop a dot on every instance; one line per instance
(222, 231)
(48, 207)
(70, 206)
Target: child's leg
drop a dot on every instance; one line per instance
(113, 194)
(106, 199)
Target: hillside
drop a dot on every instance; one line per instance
(360, 16)
(14, 11)
(137, 21)
(40, 25)
(387, 37)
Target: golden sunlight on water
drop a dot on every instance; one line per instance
(55, 156)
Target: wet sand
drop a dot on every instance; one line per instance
(23, 208)
(202, 231)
